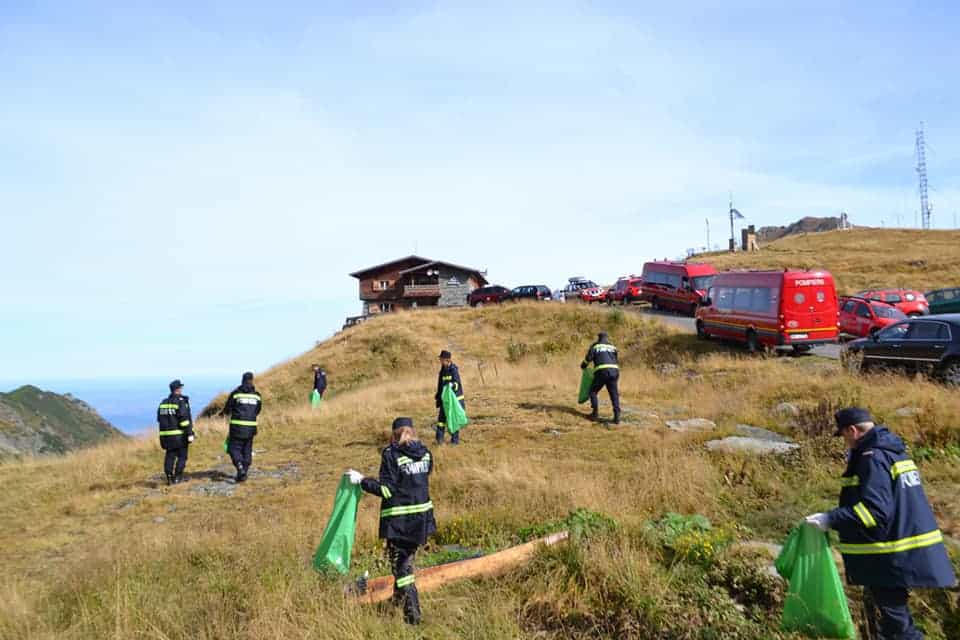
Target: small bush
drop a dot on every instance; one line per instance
(517, 351)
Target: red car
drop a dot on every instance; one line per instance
(913, 303)
(494, 294)
(593, 294)
(860, 317)
(626, 291)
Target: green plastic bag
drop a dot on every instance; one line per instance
(456, 416)
(336, 543)
(315, 399)
(816, 604)
(226, 444)
(586, 381)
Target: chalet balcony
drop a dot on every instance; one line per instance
(421, 290)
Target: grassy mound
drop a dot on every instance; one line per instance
(99, 549)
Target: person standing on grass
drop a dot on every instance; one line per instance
(176, 432)
(603, 356)
(319, 379)
(449, 375)
(243, 406)
(889, 537)
(406, 511)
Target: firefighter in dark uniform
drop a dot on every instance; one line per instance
(889, 537)
(449, 375)
(603, 355)
(176, 432)
(319, 379)
(406, 512)
(243, 406)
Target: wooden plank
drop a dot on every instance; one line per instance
(432, 578)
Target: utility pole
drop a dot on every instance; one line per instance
(922, 176)
(734, 214)
(708, 231)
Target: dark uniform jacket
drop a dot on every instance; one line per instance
(449, 375)
(888, 534)
(243, 405)
(320, 381)
(406, 512)
(603, 355)
(173, 417)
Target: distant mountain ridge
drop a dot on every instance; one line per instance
(810, 224)
(33, 421)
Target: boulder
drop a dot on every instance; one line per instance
(753, 446)
(908, 412)
(786, 410)
(760, 433)
(692, 424)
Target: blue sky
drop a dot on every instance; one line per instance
(184, 189)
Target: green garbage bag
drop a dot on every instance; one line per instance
(816, 605)
(226, 444)
(315, 399)
(336, 543)
(456, 416)
(586, 381)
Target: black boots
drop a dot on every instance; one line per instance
(594, 415)
(177, 479)
(241, 475)
(170, 480)
(616, 417)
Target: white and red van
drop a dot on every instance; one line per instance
(678, 286)
(771, 309)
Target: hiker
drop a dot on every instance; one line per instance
(319, 380)
(244, 406)
(449, 375)
(603, 356)
(406, 512)
(889, 537)
(176, 432)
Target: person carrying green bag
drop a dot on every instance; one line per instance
(448, 377)
(336, 543)
(319, 386)
(456, 416)
(816, 604)
(606, 373)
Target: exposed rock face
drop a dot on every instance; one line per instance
(692, 424)
(809, 224)
(754, 446)
(38, 422)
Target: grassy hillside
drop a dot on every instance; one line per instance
(862, 258)
(96, 548)
(33, 421)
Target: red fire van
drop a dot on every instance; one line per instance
(678, 286)
(771, 309)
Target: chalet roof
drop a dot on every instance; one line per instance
(363, 272)
(439, 263)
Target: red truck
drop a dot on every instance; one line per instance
(677, 286)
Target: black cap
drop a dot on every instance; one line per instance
(247, 376)
(850, 416)
(402, 422)
(602, 336)
(445, 355)
(176, 384)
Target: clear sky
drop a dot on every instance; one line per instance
(184, 186)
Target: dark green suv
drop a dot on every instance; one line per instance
(944, 300)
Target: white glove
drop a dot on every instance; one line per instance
(190, 438)
(355, 476)
(819, 520)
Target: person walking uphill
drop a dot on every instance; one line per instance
(319, 379)
(449, 375)
(603, 356)
(243, 406)
(406, 512)
(889, 537)
(176, 432)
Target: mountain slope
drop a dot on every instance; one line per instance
(34, 422)
(861, 258)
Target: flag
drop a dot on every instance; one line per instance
(736, 214)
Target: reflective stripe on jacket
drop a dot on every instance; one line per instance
(406, 511)
(449, 375)
(174, 421)
(888, 534)
(243, 406)
(603, 355)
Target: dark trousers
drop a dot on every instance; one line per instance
(442, 427)
(606, 378)
(241, 453)
(404, 589)
(175, 461)
(887, 613)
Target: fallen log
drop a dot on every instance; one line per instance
(432, 578)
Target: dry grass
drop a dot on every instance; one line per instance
(90, 561)
(862, 258)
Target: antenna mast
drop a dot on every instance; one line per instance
(922, 175)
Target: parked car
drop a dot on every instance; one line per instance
(930, 344)
(944, 300)
(913, 303)
(593, 294)
(795, 309)
(627, 290)
(572, 289)
(494, 294)
(531, 292)
(859, 317)
(679, 286)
